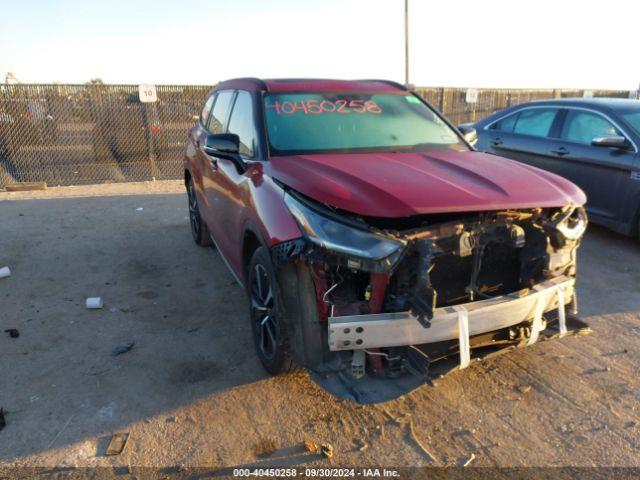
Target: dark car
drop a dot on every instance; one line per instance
(376, 247)
(592, 141)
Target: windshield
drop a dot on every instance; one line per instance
(354, 122)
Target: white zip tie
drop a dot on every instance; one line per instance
(463, 336)
(562, 318)
(536, 326)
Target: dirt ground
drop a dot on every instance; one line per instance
(191, 392)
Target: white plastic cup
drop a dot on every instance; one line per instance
(94, 303)
(5, 272)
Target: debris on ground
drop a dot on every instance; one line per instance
(3, 422)
(463, 432)
(117, 444)
(139, 209)
(327, 450)
(13, 332)
(611, 354)
(391, 417)
(53, 440)
(5, 272)
(584, 331)
(94, 303)
(194, 329)
(311, 446)
(469, 460)
(413, 436)
(596, 370)
(524, 388)
(122, 348)
(360, 444)
(266, 447)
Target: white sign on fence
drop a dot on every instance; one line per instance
(587, 94)
(147, 93)
(472, 95)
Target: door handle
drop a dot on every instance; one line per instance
(560, 151)
(496, 141)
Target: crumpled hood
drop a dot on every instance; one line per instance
(405, 184)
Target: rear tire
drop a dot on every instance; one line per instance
(199, 229)
(267, 317)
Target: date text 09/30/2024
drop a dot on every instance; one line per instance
(316, 472)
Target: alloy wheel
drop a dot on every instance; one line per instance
(194, 214)
(263, 312)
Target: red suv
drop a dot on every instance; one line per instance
(377, 248)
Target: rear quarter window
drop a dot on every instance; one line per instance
(506, 124)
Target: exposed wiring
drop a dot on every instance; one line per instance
(420, 352)
(324, 297)
(382, 354)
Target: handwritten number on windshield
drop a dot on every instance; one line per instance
(313, 107)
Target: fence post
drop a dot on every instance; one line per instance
(441, 102)
(150, 137)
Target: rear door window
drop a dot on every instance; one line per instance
(582, 127)
(536, 122)
(242, 123)
(220, 112)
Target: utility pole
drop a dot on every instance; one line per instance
(406, 42)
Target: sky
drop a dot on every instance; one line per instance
(458, 43)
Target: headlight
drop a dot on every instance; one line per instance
(572, 223)
(339, 237)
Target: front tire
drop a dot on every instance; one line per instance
(199, 229)
(267, 317)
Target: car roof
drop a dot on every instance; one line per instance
(602, 102)
(311, 85)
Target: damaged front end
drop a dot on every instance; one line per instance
(411, 299)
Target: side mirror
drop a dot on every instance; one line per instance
(225, 145)
(469, 133)
(222, 143)
(611, 142)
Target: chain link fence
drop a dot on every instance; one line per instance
(79, 134)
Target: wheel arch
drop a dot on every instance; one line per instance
(252, 239)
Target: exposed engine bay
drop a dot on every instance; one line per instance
(394, 298)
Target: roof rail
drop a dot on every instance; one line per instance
(388, 82)
(255, 80)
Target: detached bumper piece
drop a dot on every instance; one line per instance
(460, 322)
